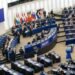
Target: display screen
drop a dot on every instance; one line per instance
(46, 43)
(16, 2)
(1, 15)
(10, 1)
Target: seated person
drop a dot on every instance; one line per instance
(23, 31)
(12, 30)
(28, 43)
(15, 32)
(42, 22)
(11, 54)
(73, 15)
(51, 12)
(46, 31)
(33, 25)
(6, 53)
(34, 40)
(38, 25)
(65, 11)
(38, 37)
(70, 9)
(21, 51)
(30, 29)
(42, 35)
(24, 28)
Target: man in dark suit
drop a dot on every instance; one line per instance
(33, 41)
(30, 30)
(11, 55)
(42, 35)
(21, 51)
(18, 35)
(23, 31)
(6, 53)
(38, 38)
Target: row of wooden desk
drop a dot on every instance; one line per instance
(57, 71)
(43, 45)
(4, 70)
(65, 69)
(25, 70)
(70, 34)
(55, 57)
(35, 65)
(30, 66)
(44, 60)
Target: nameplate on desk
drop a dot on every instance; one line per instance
(54, 36)
(44, 44)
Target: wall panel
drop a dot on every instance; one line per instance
(48, 5)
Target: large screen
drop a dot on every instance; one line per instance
(1, 15)
(10, 1)
(16, 2)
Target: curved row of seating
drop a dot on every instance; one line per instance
(70, 34)
(40, 29)
(66, 13)
(34, 27)
(43, 26)
(14, 42)
(69, 27)
(43, 45)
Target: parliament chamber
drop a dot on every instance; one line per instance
(37, 37)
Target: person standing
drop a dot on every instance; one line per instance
(6, 53)
(24, 31)
(18, 37)
(11, 55)
(68, 54)
(21, 51)
(30, 30)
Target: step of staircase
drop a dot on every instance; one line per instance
(61, 39)
(58, 15)
(61, 34)
(59, 23)
(61, 29)
(18, 57)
